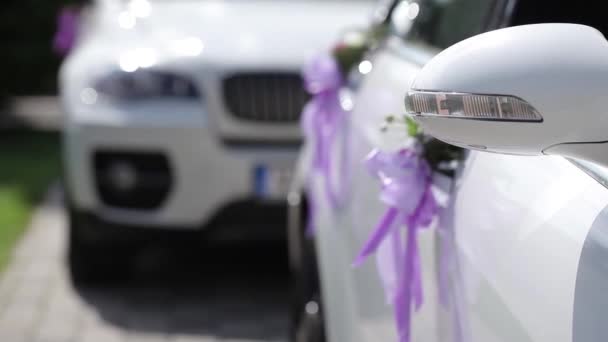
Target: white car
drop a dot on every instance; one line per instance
(522, 240)
(180, 113)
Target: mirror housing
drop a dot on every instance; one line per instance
(528, 90)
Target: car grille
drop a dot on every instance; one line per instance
(265, 97)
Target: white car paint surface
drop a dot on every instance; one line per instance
(355, 306)
(512, 235)
(205, 41)
(518, 253)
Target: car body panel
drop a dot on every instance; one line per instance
(518, 253)
(510, 239)
(354, 302)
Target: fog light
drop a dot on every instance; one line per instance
(123, 176)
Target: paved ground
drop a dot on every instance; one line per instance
(232, 294)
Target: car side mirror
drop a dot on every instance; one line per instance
(527, 90)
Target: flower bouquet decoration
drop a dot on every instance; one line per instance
(407, 190)
(324, 117)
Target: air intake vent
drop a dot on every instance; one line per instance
(132, 180)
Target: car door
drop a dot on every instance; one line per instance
(526, 238)
(526, 233)
(355, 307)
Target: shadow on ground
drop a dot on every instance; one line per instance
(235, 290)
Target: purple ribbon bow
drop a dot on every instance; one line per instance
(406, 190)
(67, 29)
(322, 119)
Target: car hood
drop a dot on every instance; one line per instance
(269, 32)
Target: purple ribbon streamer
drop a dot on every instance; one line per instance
(322, 119)
(67, 30)
(406, 189)
(443, 280)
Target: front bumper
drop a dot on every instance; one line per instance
(206, 175)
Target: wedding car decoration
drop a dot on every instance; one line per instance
(325, 115)
(322, 119)
(67, 30)
(406, 175)
(407, 190)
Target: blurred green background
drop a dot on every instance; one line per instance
(29, 160)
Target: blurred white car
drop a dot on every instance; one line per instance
(523, 238)
(180, 112)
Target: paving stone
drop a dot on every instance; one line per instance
(18, 322)
(38, 302)
(146, 337)
(192, 338)
(8, 285)
(57, 328)
(101, 334)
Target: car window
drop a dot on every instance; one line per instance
(591, 13)
(441, 23)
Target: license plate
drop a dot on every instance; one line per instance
(271, 182)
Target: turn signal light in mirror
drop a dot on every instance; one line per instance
(470, 106)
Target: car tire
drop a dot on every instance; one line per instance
(92, 258)
(307, 323)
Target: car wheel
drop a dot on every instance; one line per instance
(306, 314)
(92, 258)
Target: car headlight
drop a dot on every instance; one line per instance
(146, 85)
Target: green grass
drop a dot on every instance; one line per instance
(29, 162)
